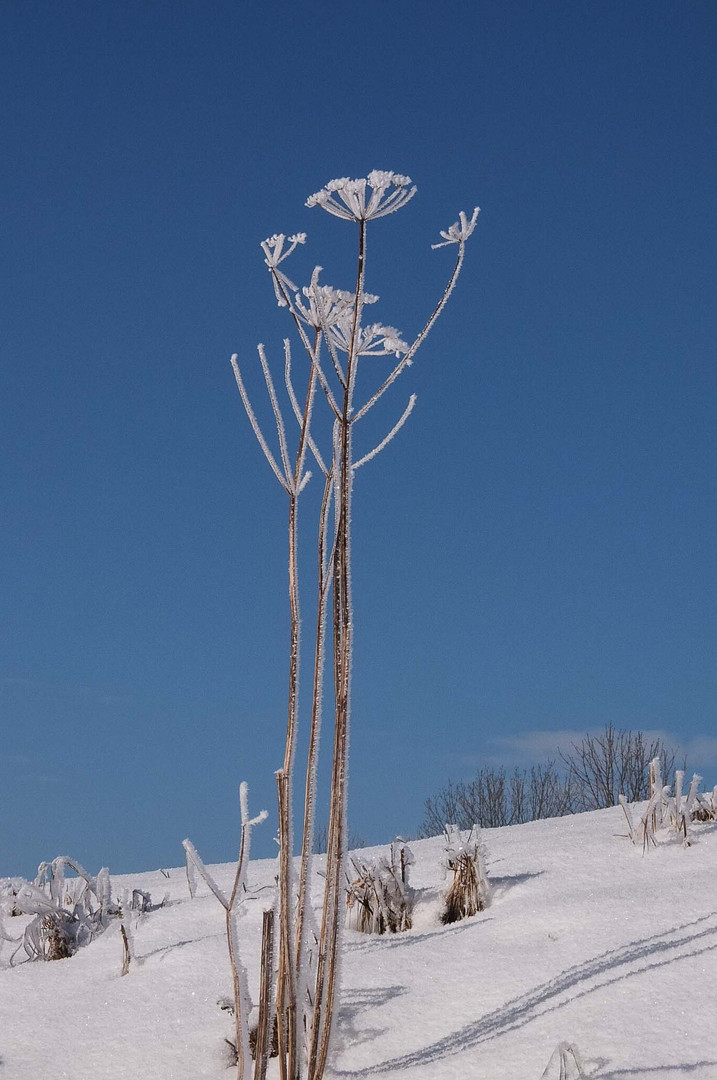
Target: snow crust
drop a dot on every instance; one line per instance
(586, 941)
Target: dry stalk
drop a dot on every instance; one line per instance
(264, 1025)
(126, 954)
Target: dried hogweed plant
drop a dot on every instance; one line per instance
(336, 341)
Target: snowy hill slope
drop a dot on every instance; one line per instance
(586, 940)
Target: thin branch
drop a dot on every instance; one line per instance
(396, 428)
(324, 328)
(193, 854)
(255, 425)
(306, 343)
(408, 358)
(295, 405)
(299, 483)
(277, 416)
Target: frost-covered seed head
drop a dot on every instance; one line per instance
(273, 247)
(459, 232)
(373, 340)
(352, 194)
(326, 306)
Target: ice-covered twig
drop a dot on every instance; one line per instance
(209, 881)
(314, 358)
(408, 358)
(278, 418)
(255, 425)
(295, 405)
(242, 1003)
(628, 815)
(396, 427)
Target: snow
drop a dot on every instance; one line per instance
(586, 941)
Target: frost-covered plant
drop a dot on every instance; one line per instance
(242, 1001)
(705, 808)
(469, 890)
(336, 341)
(667, 811)
(565, 1064)
(68, 912)
(379, 899)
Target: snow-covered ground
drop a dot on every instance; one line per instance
(586, 941)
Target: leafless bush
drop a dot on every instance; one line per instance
(494, 798)
(615, 762)
(321, 839)
(469, 891)
(380, 900)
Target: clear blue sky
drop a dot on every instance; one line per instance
(535, 554)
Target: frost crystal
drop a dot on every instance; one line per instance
(459, 232)
(352, 194)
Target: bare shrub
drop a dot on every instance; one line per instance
(380, 900)
(469, 891)
(615, 762)
(321, 839)
(494, 798)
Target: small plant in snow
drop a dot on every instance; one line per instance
(469, 891)
(666, 811)
(565, 1064)
(242, 1001)
(380, 900)
(68, 912)
(705, 806)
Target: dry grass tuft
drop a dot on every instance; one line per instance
(380, 900)
(469, 891)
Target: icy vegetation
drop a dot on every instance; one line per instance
(334, 342)
(592, 959)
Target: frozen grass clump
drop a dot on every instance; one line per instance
(68, 913)
(667, 813)
(380, 900)
(705, 808)
(469, 891)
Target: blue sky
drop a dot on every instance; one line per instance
(534, 555)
